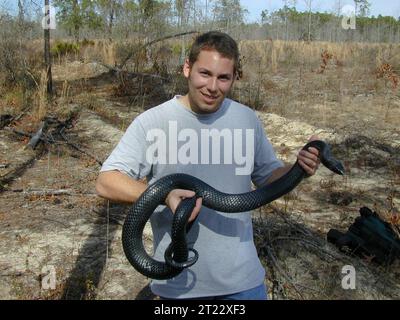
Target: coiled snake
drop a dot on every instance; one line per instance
(177, 254)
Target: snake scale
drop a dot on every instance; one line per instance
(177, 254)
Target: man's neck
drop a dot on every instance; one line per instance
(185, 101)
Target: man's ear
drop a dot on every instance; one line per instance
(186, 68)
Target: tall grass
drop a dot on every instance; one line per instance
(41, 103)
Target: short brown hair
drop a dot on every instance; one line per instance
(219, 41)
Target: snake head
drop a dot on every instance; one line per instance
(331, 163)
(338, 168)
(326, 156)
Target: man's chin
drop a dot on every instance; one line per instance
(206, 108)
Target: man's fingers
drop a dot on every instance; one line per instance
(186, 194)
(314, 151)
(307, 168)
(312, 154)
(177, 195)
(196, 209)
(310, 162)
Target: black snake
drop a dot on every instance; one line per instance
(177, 254)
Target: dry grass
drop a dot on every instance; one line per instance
(41, 102)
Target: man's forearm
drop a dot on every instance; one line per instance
(279, 172)
(118, 187)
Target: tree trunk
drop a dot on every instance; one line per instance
(309, 24)
(21, 14)
(76, 13)
(111, 21)
(47, 55)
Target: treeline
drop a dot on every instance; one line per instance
(149, 18)
(124, 19)
(289, 24)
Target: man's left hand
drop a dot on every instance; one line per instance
(308, 159)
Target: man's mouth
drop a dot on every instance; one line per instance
(209, 98)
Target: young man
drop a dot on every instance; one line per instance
(217, 140)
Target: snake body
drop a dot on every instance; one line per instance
(177, 253)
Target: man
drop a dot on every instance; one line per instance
(217, 140)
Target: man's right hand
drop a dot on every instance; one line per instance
(177, 195)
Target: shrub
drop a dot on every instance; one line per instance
(61, 49)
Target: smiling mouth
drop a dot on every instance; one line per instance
(208, 97)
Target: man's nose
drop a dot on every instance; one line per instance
(212, 84)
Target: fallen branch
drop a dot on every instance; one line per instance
(57, 221)
(12, 274)
(25, 134)
(76, 147)
(66, 141)
(37, 137)
(7, 119)
(45, 192)
(49, 192)
(19, 170)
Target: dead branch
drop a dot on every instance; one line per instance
(153, 42)
(37, 137)
(5, 120)
(44, 192)
(78, 148)
(12, 274)
(51, 192)
(118, 71)
(57, 221)
(19, 170)
(25, 134)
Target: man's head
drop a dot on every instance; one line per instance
(211, 70)
(216, 41)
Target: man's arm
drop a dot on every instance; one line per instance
(119, 187)
(279, 172)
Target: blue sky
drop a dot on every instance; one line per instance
(383, 7)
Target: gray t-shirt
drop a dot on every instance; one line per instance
(227, 149)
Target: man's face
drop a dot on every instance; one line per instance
(210, 78)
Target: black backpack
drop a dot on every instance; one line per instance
(370, 237)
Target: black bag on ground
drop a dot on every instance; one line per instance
(369, 236)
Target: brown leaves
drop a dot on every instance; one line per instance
(326, 56)
(386, 72)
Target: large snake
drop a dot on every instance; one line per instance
(177, 254)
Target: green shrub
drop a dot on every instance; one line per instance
(64, 48)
